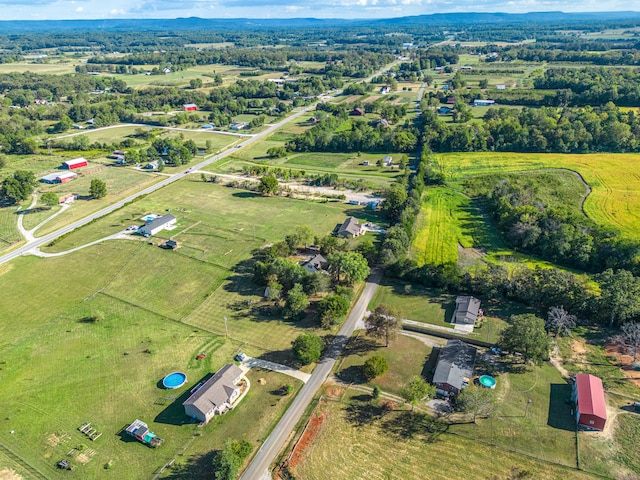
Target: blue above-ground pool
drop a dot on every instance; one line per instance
(174, 380)
(487, 381)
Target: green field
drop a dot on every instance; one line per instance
(40, 68)
(614, 179)
(421, 304)
(396, 446)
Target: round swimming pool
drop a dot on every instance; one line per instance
(487, 381)
(174, 380)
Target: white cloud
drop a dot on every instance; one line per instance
(80, 9)
(116, 11)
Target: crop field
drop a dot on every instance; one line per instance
(127, 350)
(439, 230)
(405, 452)
(614, 179)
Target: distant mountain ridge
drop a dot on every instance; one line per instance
(196, 23)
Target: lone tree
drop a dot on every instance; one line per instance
(374, 367)
(560, 321)
(526, 335)
(630, 338)
(384, 322)
(49, 198)
(307, 348)
(296, 302)
(268, 185)
(477, 401)
(98, 188)
(350, 266)
(333, 309)
(228, 461)
(417, 389)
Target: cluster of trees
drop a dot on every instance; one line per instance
(567, 130)
(328, 136)
(227, 462)
(556, 233)
(18, 186)
(289, 285)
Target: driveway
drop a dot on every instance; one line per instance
(250, 362)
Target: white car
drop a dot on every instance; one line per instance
(241, 357)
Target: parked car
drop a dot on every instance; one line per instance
(241, 357)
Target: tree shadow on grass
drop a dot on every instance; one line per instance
(361, 414)
(360, 346)
(410, 425)
(352, 374)
(195, 468)
(247, 194)
(32, 210)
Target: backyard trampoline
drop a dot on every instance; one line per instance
(487, 381)
(174, 380)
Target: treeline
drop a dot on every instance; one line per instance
(329, 136)
(550, 53)
(565, 130)
(555, 233)
(593, 86)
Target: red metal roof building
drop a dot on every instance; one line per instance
(66, 177)
(189, 107)
(591, 407)
(76, 163)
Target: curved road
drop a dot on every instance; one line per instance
(259, 466)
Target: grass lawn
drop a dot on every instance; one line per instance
(9, 233)
(614, 198)
(545, 430)
(37, 215)
(421, 304)
(39, 68)
(59, 370)
(405, 356)
(397, 446)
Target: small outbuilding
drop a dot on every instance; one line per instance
(189, 107)
(591, 406)
(357, 111)
(483, 103)
(75, 163)
(157, 224)
(455, 367)
(467, 310)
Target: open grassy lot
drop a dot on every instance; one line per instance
(217, 228)
(614, 179)
(545, 429)
(398, 446)
(405, 356)
(38, 214)
(9, 233)
(414, 302)
(40, 68)
(58, 369)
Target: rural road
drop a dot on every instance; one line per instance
(259, 466)
(38, 242)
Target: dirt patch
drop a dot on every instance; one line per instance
(624, 361)
(7, 474)
(334, 393)
(353, 98)
(371, 99)
(468, 256)
(53, 440)
(262, 381)
(82, 458)
(307, 438)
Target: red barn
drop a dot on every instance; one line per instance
(189, 107)
(66, 177)
(591, 407)
(76, 163)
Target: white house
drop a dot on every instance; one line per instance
(156, 225)
(216, 395)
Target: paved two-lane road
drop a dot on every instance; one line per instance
(259, 466)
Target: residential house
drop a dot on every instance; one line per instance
(350, 228)
(451, 100)
(216, 395)
(591, 406)
(153, 165)
(239, 125)
(316, 264)
(445, 110)
(383, 122)
(387, 161)
(454, 370)
(501, 86)
(357, 111)
(157, 224)
(385, 89)
(483, 103)
(467, 310)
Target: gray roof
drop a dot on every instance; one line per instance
(455, 364)
(217, 390)
(160, 221)
(351, 225)
(318, 262)
(469, 307)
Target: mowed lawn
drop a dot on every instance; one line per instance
(421, 304)
(614, 178)
(59, 369)
(390, 448)
(207, 279)
(544, 429)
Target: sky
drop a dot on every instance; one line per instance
(101, 9)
